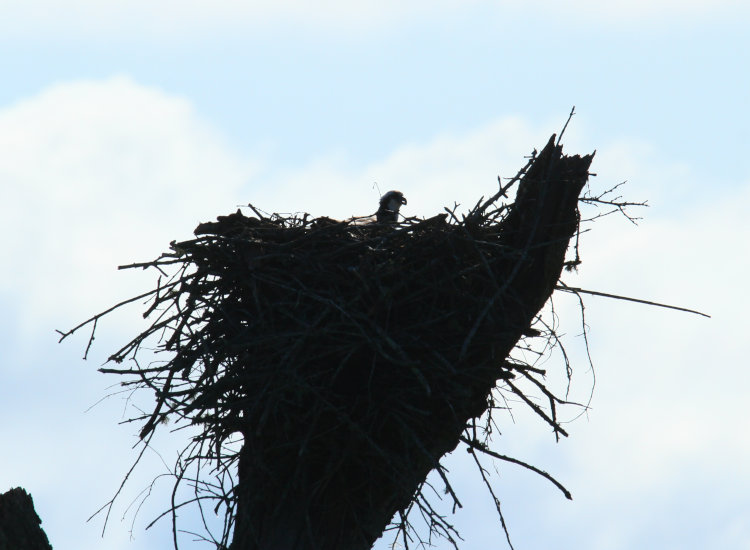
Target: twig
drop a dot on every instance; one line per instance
(576, 290)
(482, 448)
(559, 138)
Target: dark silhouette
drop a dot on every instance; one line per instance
(20, 526)
(330, 365)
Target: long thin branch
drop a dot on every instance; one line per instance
(570, 116)
(479, 447)
(576, 290)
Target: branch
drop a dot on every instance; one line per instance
(576, 290)
(478, 446)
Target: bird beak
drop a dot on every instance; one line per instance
(403, 200)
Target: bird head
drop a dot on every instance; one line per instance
(392, 201)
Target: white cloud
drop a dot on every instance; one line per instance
(97, 174)
(668, 410)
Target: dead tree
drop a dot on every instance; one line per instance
(350, 441)
(20, 526)
(331, 365)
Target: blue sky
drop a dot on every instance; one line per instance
(122, 125)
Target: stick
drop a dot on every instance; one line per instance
(576, 290)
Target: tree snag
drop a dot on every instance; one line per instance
(20, 526)
(331, 365)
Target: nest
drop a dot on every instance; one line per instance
(330, 364)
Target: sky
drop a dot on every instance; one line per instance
(124, 124)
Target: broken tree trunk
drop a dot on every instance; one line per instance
(307, 486)
(20, 526)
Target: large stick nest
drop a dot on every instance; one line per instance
(349, 357)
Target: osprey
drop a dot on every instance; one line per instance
(389, 206)
(387, 213)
